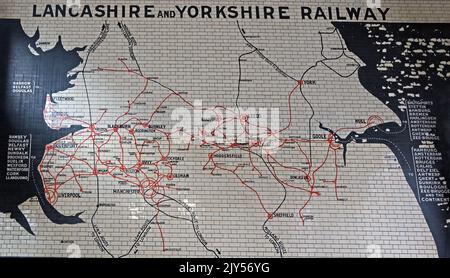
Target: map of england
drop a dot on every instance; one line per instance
(259, 129)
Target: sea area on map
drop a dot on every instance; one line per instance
(27, 76)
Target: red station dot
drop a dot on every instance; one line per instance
(307, 178)
(244, 118)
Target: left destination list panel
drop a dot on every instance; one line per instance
(19, 157)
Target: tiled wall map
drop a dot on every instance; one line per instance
(231, 129)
